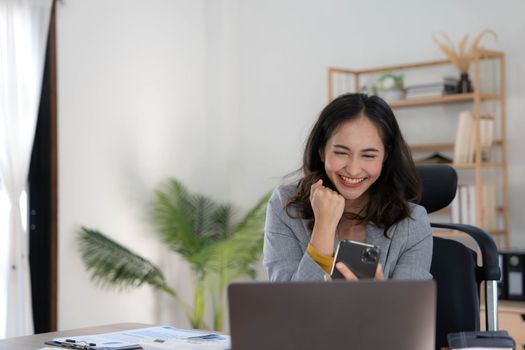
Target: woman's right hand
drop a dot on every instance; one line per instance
(328, 206)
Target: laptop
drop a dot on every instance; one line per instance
(371, 315)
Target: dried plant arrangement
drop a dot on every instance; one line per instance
(461, 57)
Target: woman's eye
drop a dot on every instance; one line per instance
(369, 156)
(340, 153)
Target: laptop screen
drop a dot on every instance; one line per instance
(318, 315)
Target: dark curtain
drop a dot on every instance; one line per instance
(42, 201)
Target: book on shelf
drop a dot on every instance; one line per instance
(463, 206)
(455, 214)
(431, 79)
(465, 145)
(462, 146)
(488, 193)
(426, 88)
(471, 205)
(422, 94)
(486, 129)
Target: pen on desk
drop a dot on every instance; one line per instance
(79, 344)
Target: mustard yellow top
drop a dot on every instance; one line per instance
(324, 261)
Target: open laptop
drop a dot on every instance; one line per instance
(371, 315)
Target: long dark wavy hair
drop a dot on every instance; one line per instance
(398, 182)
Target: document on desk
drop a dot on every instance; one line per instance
(221, 342)
(134, 338)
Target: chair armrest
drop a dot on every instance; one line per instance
(489, 251)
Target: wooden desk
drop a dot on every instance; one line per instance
(34, 342)
(511, 318)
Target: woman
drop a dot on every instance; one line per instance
(359, 183)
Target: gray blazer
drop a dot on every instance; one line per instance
(407, 255)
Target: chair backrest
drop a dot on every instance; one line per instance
(454, 269)
(454, 266)
(439, 184)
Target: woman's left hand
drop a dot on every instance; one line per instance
(350, 276)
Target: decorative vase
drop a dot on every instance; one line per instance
(464, 85)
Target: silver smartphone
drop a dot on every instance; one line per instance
(361, 258)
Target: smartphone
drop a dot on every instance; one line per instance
(361, 258)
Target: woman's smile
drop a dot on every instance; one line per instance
(351, 182)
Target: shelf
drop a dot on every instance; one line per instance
(434, 100)
(473, 165)
(436, 147)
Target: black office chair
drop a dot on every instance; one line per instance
(454, 266)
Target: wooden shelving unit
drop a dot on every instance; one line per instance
(475, 99)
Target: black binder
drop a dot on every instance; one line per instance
(513, 275)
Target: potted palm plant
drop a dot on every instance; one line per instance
(202, 231)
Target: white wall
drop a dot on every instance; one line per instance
(131, 113)
(222, 94)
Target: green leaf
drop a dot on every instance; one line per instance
(222, 221)
(177, 215)
(112, 265)
(190, 222)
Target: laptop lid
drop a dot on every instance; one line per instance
(372, 315)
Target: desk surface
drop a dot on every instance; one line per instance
(34, 342)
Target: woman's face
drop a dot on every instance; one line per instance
(353, 159)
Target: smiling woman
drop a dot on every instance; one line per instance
(358, 183)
